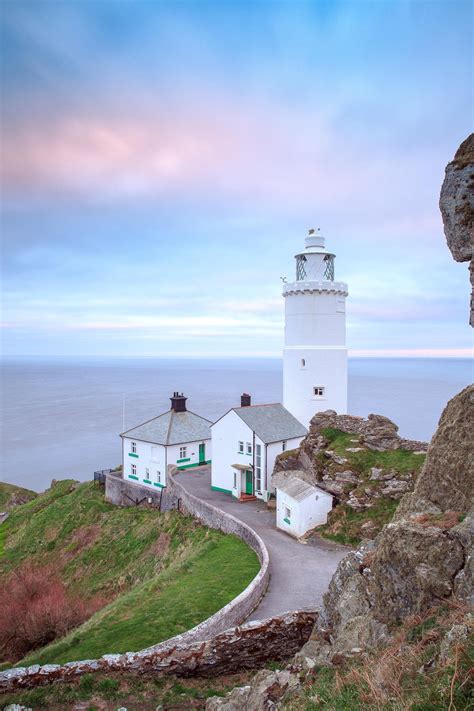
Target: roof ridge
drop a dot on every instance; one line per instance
(167, 439)
(200, 416)
(144, 423)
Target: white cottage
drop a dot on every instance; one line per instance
(245, 443)
(300, 506)
(176, 437)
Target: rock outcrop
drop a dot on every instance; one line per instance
(457, 207)
(343, 473)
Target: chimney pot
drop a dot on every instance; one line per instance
(245, 400)
(178, 402)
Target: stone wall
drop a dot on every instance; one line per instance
(242, 647)
(121, 492)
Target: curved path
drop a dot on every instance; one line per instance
(299, 573)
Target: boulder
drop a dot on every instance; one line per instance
(457, 208)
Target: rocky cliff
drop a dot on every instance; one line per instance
(457, 208)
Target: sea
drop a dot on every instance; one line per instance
(61, 417)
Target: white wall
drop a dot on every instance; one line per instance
(156, 458)
(192, 453)
(324, 367)
(305, 515)
(226, 434)
(150, 456)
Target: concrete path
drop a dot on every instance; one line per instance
(299, 573)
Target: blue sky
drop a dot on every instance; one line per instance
(162, 162)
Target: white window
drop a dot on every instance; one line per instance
(258, 467)
(133, 447)
(147, 473)
(241, 447)
(158, 476)
(182, 452)
(318, 391)
(303, 362)
(134, 469)
(235, 480)
(283, 446)
(249, 448)
(287, 511)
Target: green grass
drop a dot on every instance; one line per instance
(345, 524)
(162, 573)
(402, 460)
(7, 491)
(136, 693)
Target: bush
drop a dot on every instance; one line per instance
(35, 609)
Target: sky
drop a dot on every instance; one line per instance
(163, 161)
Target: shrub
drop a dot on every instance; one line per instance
(35, 609)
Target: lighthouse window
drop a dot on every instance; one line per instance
(303, 362)
(318, 391)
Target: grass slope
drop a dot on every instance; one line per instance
(163, 573)
(345, 524)
(11, 495)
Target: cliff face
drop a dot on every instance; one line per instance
(457, 207)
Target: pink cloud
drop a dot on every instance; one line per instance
(214, 148)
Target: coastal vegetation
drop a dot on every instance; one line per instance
(141, 576)
(349, 525)
(12, 495)
(419, 669)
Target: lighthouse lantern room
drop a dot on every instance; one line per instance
(315, 353)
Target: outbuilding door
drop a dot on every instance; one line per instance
(202, 453)
(248, 482)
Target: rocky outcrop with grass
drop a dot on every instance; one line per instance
(363, 463)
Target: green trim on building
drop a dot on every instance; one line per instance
(195, 464)
(287, 520)
(130, 476)
(218, 488)
(162, 486)
(186, 459)
(132, 454)
(147, 481)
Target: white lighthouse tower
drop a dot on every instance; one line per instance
(315, 353)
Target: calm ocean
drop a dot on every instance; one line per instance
(62, 417)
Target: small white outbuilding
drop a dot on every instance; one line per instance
(300, 506)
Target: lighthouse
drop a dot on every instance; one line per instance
(315, 353)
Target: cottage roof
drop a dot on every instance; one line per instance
(172, 428)
(272, 423)
(299, 489)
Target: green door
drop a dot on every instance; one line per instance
(248, 482)
(202, 453)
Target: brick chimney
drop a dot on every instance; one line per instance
(178, 402)
(245, 400)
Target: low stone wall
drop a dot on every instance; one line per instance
(121, 492)
(243, 647)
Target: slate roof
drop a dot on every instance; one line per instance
(172, 428)
(299, 489)
(272, 423)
